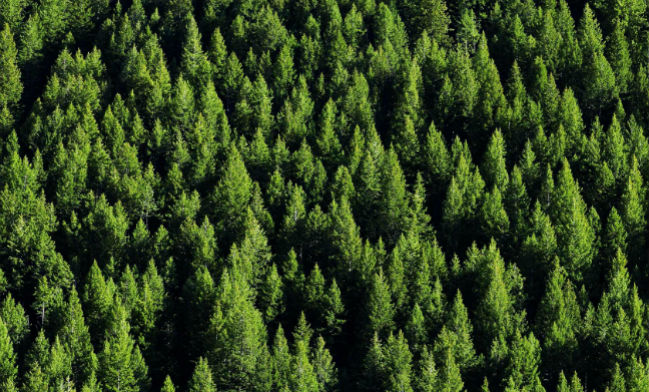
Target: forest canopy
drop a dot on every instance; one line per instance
(324, 195)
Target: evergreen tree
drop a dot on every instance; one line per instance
(76, 336)
(494, 167)
(195, 64)
(575, 235)
(168, 385)
(121, 365)
(380, 309)
(428, 16)
(12, 13)
(237, 338)
(8, 368)
(456, 336)
(201, 380)
(232, 196)
(10, 84)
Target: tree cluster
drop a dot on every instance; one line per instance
(324, 195)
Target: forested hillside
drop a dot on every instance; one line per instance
(324, 195)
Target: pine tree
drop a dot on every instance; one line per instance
(494, 168)
(15, 319)
(570, 117)
(633, 214)
(237, 338)
(456, 336)
(373, 366)
(232, 196)
(394, 202)
(281, 360)
(76, 336)
(199, 293)
(437, 160)
(557, 320)
(194, 64)
(12, 13)
(575, 235)
(98, 299)
(346, 239)
(380, 309)
(59, 367)
(121, 365)
(8, 370)
(620, 58)
(10, 86)
(426, 376)
(525, 357)
(271, 295)
(303, 377)
(450, 379)
(324, 367)
(497, 313)
(428, 16)
(398, 364)
(54, 20)
(494, 219)
(201, 380)
(168, 385)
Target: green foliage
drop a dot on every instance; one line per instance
(8, 368)
(10, 84)
(201, 380)
(179, 179)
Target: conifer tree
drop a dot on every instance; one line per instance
(428, 16)
(494, 167)
(620, 58)
(450, 378)
(237, 338)
(195, 64)
(12, 13)
(10, 84)
(380, 308)
(575, 236)
(201, 380)
(121, 365)
(456, 336)
(303, 376)
(76, 336)
(398, 364)
(168, 385)
(633, 214)
(232, 195)
(437, 160)
(557, 320)
(8, 370)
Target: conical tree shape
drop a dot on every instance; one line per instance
(195, 64)
(201, 380)
(121, 366)
(168, 385)
(76, 336)
(238, 338)
(8, 368)
(10, 86)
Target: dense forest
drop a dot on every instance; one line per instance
(324, 195)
